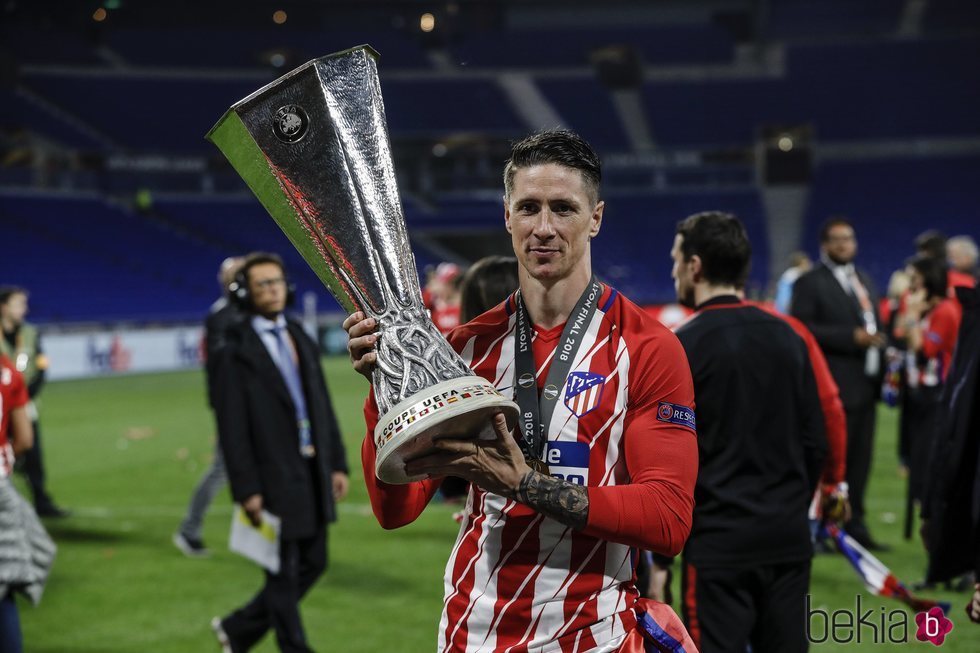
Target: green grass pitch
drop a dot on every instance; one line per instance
(124, 453)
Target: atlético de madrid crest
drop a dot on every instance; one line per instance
(583, 390)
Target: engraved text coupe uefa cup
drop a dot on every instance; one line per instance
(313, 146)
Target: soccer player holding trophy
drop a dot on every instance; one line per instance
(596, 454)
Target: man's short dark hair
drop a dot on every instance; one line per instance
(6, 292)
(560, 146)
(719, 239)
(931, 243)
(934, 273)
(830, 223)
(257, 258)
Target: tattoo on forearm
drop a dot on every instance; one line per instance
(565, 502)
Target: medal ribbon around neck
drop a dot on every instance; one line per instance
(537, 409)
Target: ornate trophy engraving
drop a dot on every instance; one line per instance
(313, 146)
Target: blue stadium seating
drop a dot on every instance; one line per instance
(632, 250)
(852, 89)
(174, 114)
(34, 45)
(549, 47)
(891, 201)
(16, 112)
(845, 72)
(888, 90)
(104, 254)
(789, 19)
(951, 16)
(859, 91)
(148, 114)
(442, 107)
(123, 265)
(206, 47)
(587, 108)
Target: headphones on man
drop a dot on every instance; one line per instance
(238, 288)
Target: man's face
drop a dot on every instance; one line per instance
(841, 245)
(551, 217)
(683, 273)
(15, 309)
(267, 285)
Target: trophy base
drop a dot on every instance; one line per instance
(457, 408)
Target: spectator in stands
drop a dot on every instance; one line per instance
(446, 297)
(26, 551)
(746, 564)
(930, 321)
(799, 263)
(224, 314)
(485, 284)
(21, 343)
(961, 252)
(282, 449)
(839, 305)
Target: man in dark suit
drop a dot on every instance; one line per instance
(282, 449)
(839, 305)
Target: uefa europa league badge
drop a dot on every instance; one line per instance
(290, 123)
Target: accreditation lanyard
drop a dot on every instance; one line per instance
(537, 409)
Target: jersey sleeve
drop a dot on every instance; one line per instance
(398, 505)
(940, 335)
(654, 510)
(393, 505)
(835, 420)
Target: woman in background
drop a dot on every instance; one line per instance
(930, 323)
(485, 284)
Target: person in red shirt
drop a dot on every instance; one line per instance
(930, 323)
(16, 436)
(545, 555)
(445, 297)
(16, 432)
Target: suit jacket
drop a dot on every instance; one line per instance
(224, 314)
(259, 435)
(951, 506)
(831, 314)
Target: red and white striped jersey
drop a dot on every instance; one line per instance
(517, 581)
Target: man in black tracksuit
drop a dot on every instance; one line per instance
(746, 566)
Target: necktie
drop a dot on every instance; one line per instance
(872, 359)
(290, 374)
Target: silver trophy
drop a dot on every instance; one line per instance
(313, 146)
